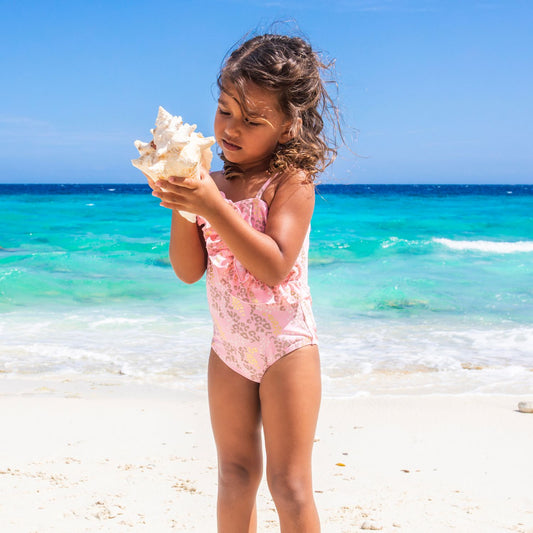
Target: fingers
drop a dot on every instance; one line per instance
(172, 201)
(188, 183)
(165, 191)
(171, 195)
(178, 192)
(151, 182)
(167, 186)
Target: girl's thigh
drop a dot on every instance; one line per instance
(290, 395)
(235, 413)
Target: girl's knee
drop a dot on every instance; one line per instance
(239, 474)
(292, 490)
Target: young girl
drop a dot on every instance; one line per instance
(252, 236)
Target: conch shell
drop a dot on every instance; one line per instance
(176, 150)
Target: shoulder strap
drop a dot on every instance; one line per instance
(263, 188)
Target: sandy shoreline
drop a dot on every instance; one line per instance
(82, 456)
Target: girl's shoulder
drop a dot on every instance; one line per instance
(290, 181)
(218, 178)
(291, 177)
(224, 185)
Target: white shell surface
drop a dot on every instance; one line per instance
(175, 150)
(179, 150)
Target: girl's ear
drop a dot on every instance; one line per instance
(292, 130)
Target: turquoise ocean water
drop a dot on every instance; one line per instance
(415, 288)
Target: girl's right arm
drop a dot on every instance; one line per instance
(187, 250)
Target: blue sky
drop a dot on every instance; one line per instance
(430, 91)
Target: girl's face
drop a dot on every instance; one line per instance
(249, 139)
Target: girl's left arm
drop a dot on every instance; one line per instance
(268, 256)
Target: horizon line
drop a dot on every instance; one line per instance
(318, 184)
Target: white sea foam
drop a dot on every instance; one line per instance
(499, 247)
(391, 357)
(362, 356)
(396, 241)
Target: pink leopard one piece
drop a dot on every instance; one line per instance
(254, 324)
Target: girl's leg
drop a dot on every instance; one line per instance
(290, 399)
(236, 422)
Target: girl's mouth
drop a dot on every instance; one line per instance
(230, 146)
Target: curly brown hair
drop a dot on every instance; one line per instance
(294, 71)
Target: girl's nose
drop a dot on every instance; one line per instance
(231, 127)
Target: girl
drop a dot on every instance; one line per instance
(252, 236)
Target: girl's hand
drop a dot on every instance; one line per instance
(199, 196)
(151, 182)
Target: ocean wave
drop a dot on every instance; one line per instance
(395, 241)
(410, 245)
(499, 247)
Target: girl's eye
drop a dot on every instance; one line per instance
(222, 112)
(248, 121)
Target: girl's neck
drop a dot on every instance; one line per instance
(255, 170)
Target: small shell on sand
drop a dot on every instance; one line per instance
(525, 407)
(373, 526)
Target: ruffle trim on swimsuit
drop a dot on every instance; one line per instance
(244, 285)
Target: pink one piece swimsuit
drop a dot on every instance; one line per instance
(254, 324)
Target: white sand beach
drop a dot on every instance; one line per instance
(82, 456)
